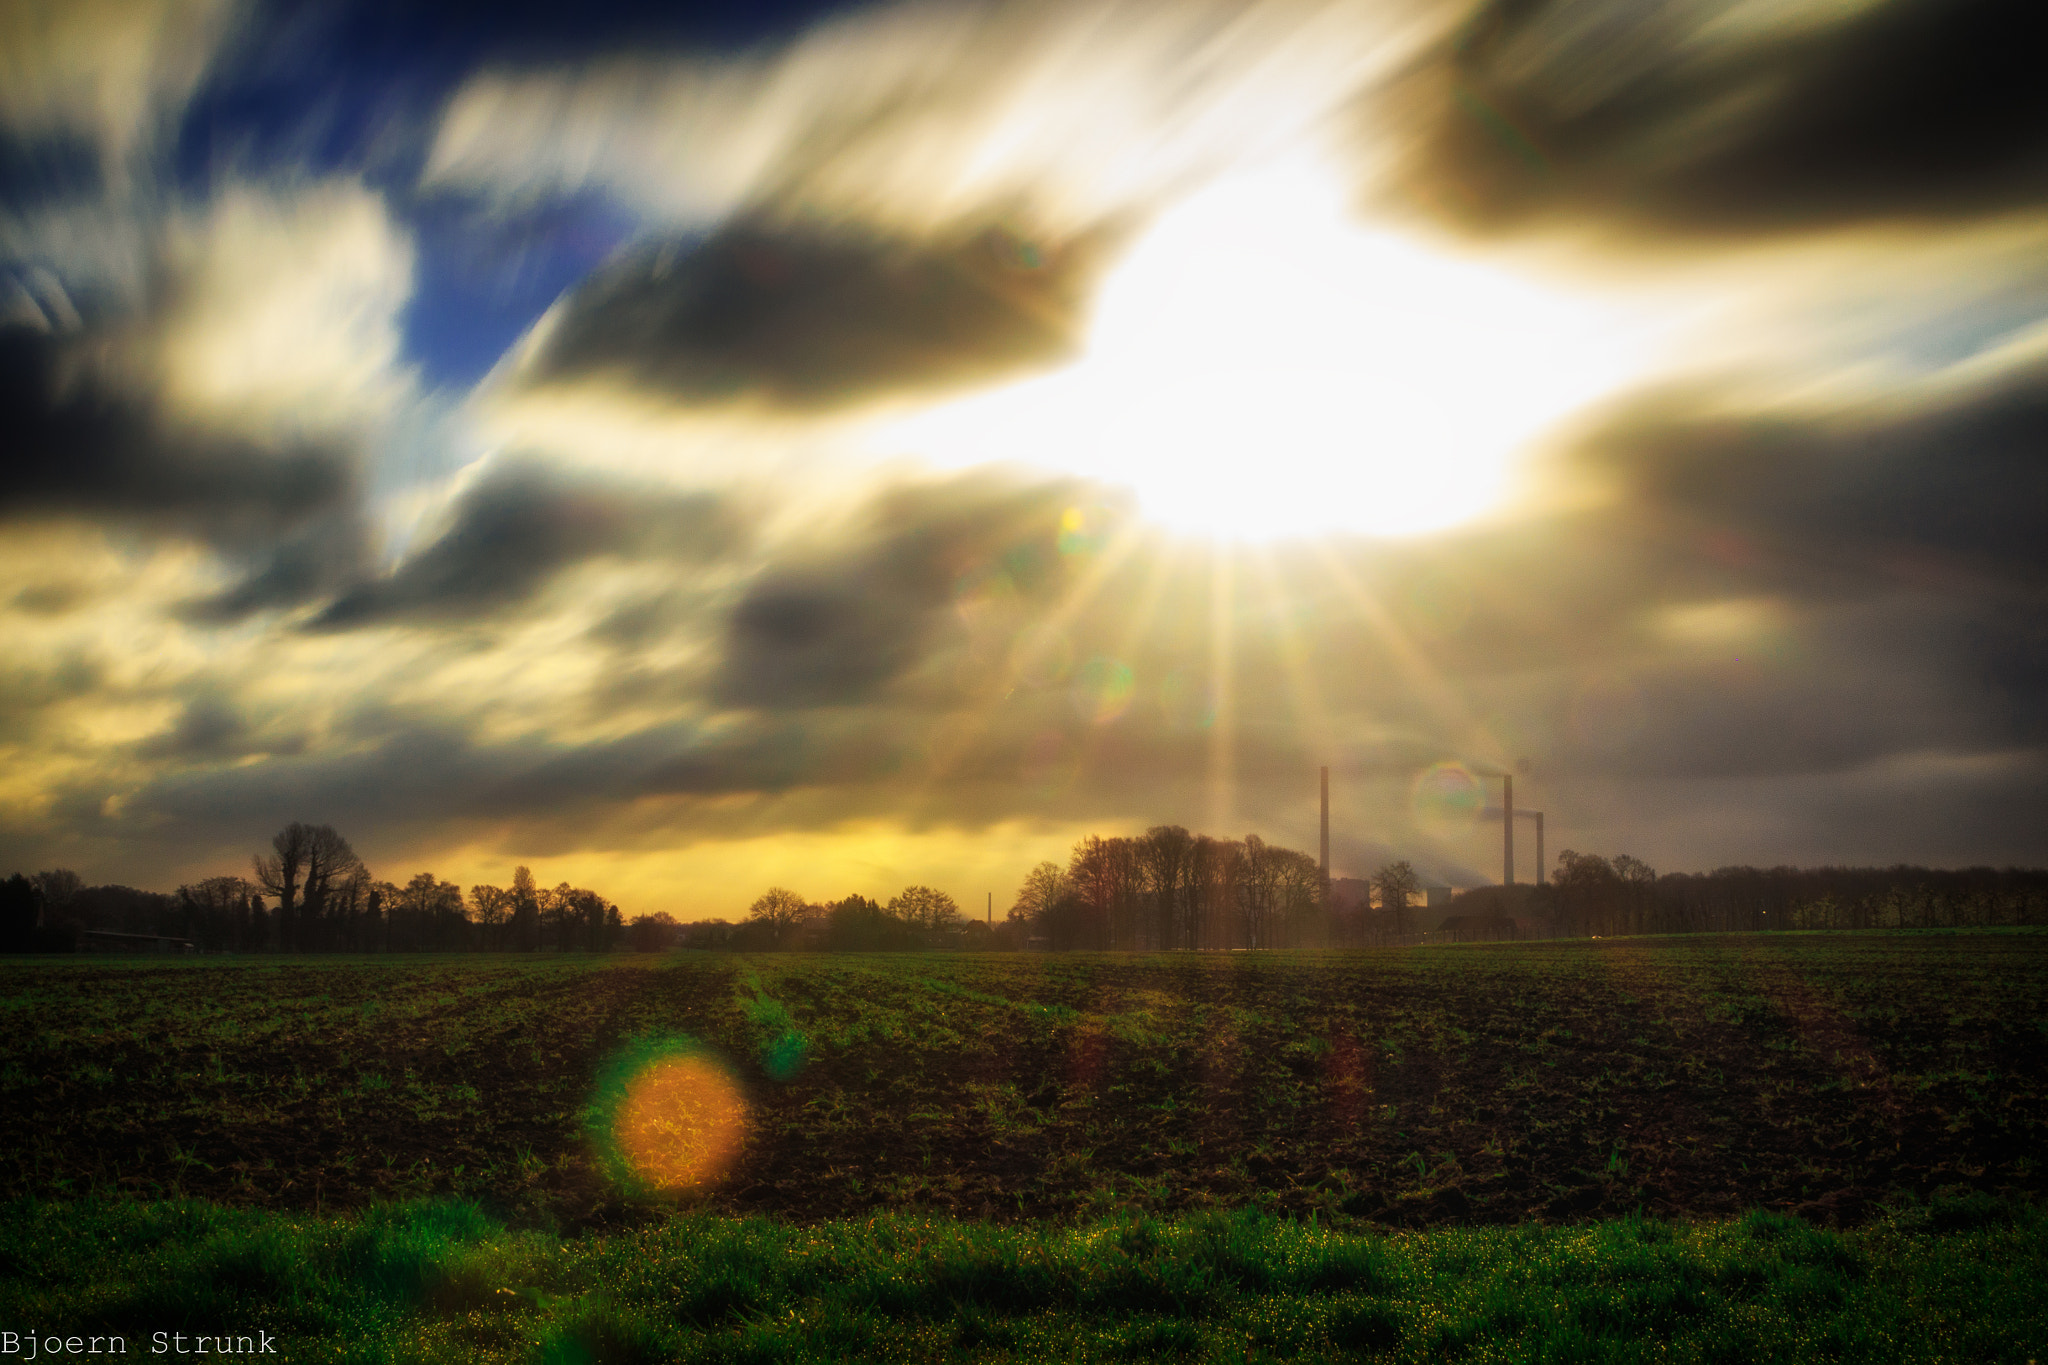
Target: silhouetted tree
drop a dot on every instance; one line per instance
(1042, 889)
(1212, 917)
(1259, 891)
(1394, 884)
(281, 875)
(306, 862)
(378, 903)
(577, 920)
(781, 911)
(1638, 887)
(1586, 891)
(333, 874)
(924, 909)
(1108, 878)
(491, 908)
(21, 914)
(858, 924)
(222, 913)
(524, 927)
(1167, 854)
(60, 886)
(652, 933)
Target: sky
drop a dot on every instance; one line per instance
(687, 448)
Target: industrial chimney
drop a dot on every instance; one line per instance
(1507, 825)
(1325, 864)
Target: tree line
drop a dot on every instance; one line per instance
(1165, 889)
(1169, 888)
(781, 919)
(311, 893)
(1591, 895)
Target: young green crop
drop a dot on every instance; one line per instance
(1956, 1280)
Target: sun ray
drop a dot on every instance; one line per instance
(1222, 777)
(970, 724)
(1144, 608)
(1426, 682)
(1312, 714)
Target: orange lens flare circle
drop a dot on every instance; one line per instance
(681, 1123)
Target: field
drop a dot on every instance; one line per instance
(1657, 1096)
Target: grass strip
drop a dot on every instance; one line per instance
(1954, 1280)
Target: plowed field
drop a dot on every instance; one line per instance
(1701, 1076)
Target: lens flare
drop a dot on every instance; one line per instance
(1102, 689)
(1083, 530)
(680, 1123)
(1447, 793)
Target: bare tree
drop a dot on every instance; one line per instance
(491, 907)
(1259, 890)
(1395, 883)
(331, 865)
(59, 886)
(1304, 896)
(430, 912)
(1586, 887)
(1043, 887)
(1211, 910)
(347, 908)
(281, 875)
(380, 908)
(306, 862)
(1638, 886)
(781, 909)
(1107, 876)
(923, 908)
(525, 924)
(1167, 853)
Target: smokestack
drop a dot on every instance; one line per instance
(1507, 824)
(1326, 832)
(1539, 848)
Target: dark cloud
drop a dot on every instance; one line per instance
(426, 772)
(831, 625)
(83, 444)
(210, 727)
(514, 531)
(1952, 494)
(26, 693)
(1829, 694)
(810, 316)
(302, 568)
(1915, 109)
(79, 442)
(51, 599)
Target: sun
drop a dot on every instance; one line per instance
(1260, 365)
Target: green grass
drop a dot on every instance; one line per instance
(1953, 1280)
